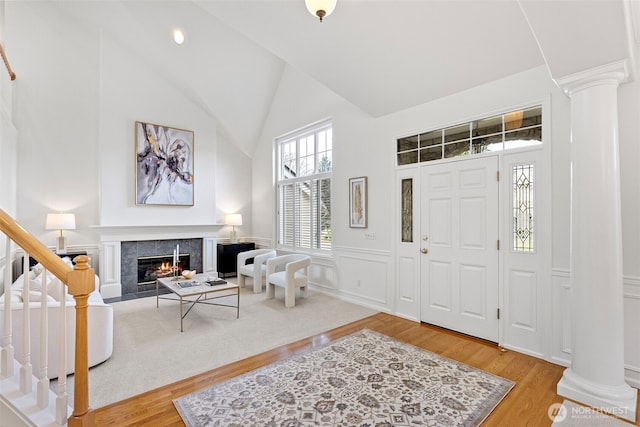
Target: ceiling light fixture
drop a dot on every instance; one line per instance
(178, 36)
(320, 8)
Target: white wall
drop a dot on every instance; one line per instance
(8, 153)
(629, 123)
(56, 112)
(233, 186)
(134, 92)
(77, 97)
(629, 112)
(299, 101)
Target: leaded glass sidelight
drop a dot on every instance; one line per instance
(407, 210)
(523, 207)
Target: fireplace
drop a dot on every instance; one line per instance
(151, 268)
(141, 262)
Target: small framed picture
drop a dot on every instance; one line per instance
(358, 202)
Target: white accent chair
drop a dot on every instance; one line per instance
(288, 272)
(257, 270)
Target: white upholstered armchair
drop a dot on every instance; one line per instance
(257, 270)
(288, 272)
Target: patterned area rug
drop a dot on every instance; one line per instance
(363, 379)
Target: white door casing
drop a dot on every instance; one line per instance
(459, 264)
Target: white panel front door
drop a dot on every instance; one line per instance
(459, 233)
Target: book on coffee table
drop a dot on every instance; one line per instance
(215, 282)
(183, 285)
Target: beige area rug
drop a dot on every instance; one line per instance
(570, 414)
(149, 350)
(363, 379)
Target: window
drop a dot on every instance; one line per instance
(304, 188)
(407, 210)
(515, 129)
(522, 205)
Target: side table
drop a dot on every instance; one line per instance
(228, 256)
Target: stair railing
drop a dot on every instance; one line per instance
(80, 283)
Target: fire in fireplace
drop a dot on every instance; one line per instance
(152, 267)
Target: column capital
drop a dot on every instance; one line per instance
(613, 73)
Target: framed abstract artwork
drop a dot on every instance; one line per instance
(358, 202)
(164, 165)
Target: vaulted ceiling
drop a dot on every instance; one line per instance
(383, 56)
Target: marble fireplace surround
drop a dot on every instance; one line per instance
(111, 249)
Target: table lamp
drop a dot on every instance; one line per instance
(61, 221)
(233, 220)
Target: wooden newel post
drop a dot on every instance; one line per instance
(81, 283)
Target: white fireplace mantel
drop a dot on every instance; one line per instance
(126, 233)
(111, 238)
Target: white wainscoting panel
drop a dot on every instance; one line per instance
(209, 255)
(561, 348)
(322, 274)
(110, 286)
(261, 242)
(523, 307)
(407, 278)
(561, 312)
(632, 330)
(365, 276)
(407, 295)
(523, 321)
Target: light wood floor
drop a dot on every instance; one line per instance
(525, 405)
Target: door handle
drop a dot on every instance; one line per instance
(424, 250)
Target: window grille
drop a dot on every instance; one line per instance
(304, 188)
(523, 207)
(515, 129)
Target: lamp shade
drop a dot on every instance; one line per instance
(233, 219)
(61, 221)
(320, 8)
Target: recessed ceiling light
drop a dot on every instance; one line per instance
(178, 36)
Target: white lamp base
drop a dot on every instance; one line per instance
(233, 236)
(61, 245)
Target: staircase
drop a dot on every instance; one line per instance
(25, 396)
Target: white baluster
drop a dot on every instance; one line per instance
(7, 353)
(62, 399)
(43, 378)
(26, 370)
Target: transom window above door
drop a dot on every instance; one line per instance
(515, 129)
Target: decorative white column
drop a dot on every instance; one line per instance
(596, 375)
